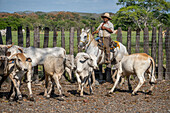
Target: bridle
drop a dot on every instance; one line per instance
(87, 40)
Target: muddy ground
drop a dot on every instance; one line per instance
(120, 101)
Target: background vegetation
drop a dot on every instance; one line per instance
(134, 14)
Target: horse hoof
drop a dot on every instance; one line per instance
(31, 98)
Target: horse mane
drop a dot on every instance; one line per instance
(94, 42)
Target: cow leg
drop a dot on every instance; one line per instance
(51, 87)
(69, 73)
(56, 79)
(129, 85)
(113, 76)
(12, 92)
(141, 81)
(90, 86)
(152, 85)
(116, 82)
(93, 78)
(16, 85)
(82, 85)
(46, 84)
(100, 72)
(2, 80)
(29, 85)
(79, 81)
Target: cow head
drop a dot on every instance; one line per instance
(21, 61)
(92, 61)
(70, 62)
(3, 50)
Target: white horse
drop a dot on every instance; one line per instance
(90, 45)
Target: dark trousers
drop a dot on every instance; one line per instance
(107, 42)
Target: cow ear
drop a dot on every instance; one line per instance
(8, 54)
(21, 50)
(11, 61)
(88, 30)
(10, 45)
(82, 30)
(86, 57)
(29, 60)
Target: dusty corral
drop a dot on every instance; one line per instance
(120, 101)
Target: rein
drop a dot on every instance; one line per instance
(85, 42)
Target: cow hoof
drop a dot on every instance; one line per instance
(48, 96)
(133, 94)
(78, 91)
(149, 93)
(20, 98)
(61, 99)
(91, 93)
(110, 92)
(11, 99)
(81, 95)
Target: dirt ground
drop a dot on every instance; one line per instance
(120, 101)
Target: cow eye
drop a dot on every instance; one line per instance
(19, 60)
(85, 37)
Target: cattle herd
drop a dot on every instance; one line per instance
(18, 62)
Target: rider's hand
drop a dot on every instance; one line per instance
(103, 28)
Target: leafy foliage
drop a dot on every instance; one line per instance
(42, 19)
(143, 13)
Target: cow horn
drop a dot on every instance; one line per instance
(10, 45)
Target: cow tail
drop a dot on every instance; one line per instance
(153, 79)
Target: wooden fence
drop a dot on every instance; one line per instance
(157, 48)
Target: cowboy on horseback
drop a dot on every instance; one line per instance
(104, 31)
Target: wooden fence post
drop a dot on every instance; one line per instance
(129, 40)
(1, 41)
(137, 41)
(27, 37)
(160, 55)
(154, 45)
(119, 35)
(20, 36)
(72, 41)
(62, 38)
(36, 37)
(92, 29)
(37, 45)
(8, 36)
(78, 38)
(46, 37)
(55, 37)
(146, 40)
(167, 49)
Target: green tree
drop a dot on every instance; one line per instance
(144, 12)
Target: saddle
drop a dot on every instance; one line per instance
(113, 44)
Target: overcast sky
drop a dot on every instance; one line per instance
(89, 6)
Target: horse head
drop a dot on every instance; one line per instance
(84, 38)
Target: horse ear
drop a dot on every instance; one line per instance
(82, 30)
(88, 30)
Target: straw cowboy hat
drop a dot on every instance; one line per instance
(106, 15)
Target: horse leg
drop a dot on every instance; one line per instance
(100, 72)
